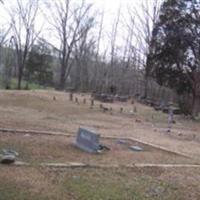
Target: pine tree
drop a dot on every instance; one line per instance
(174, 56)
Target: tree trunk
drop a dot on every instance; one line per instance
(195, 105)
(62, 80)
(19, 81)
(146, 88)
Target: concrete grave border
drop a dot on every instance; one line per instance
(75, 165)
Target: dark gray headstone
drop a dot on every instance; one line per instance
(87, 141)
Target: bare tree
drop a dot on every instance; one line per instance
(109, 74)
(145, 20)
(70, 21)
(96, 64)
(22, 19)
(3, 39)
(84, 56)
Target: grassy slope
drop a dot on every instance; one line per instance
(38, 110)
(93, 184)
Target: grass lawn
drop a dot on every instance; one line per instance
(44, 110)
(90, 184)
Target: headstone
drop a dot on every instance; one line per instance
(71, 96)
(91, 102)
(87, 140)
(76, 100)
(103, 97)
(162, 105)
(105, 109)
(170, 119)
(110, 109)
(122, 98)
(132, 101)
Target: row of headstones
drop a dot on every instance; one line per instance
(101, 106)
(108, 98)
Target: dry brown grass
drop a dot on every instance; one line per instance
(60, 149)
(36, 110)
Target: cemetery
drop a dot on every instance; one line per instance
(48, 143)
(99, 100)
(43, 148)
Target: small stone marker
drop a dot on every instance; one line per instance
(105, 109)
(88, 141)
(170, 119)
(92, 102)
(76, 100)
(100, 106)
(136, 148)
(84, 101)
(71, 96)
(111, 110)
(8, 159)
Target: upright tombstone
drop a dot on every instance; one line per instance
(88, 141)
(170, 119)
(100, 106)
(132, 101)
(110, 110)
(76, 100)
(71, 96)
(91, 103)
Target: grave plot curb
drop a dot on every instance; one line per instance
(72, 134)
(18, 131)
(149, 144)
(82, 165)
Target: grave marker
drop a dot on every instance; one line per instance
(88, 141)
(71, 96)
(170, 119)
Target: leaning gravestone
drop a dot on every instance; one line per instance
(88, 141)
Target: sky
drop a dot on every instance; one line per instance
(110, 8)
